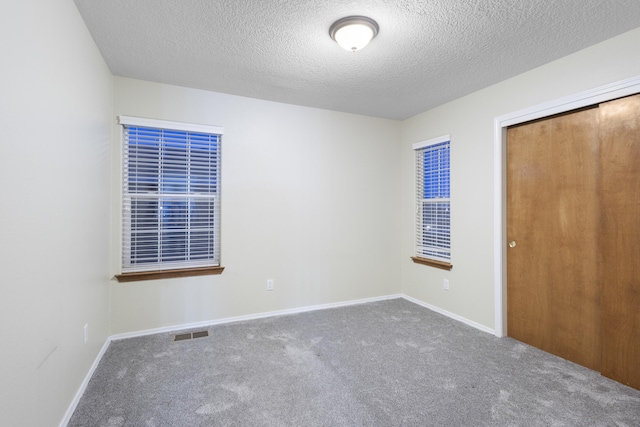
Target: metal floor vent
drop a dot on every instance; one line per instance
(190, 335)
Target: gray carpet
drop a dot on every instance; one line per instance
(389, 363)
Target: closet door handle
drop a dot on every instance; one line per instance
(512, 244)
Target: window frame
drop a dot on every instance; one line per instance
(146, 272)
(438, 261)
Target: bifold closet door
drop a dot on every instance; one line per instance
(553, 223)
(620, 241)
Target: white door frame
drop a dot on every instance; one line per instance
(591, 97)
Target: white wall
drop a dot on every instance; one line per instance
(309, 199)
(56, 96)
(469, 121)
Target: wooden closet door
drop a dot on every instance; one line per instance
(553, 221)
(620, 242)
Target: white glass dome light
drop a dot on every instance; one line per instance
(353, 32)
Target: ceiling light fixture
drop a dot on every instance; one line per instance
(353, 32)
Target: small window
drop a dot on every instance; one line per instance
(170, 199)
(433, 195)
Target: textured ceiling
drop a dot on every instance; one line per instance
(427, 52)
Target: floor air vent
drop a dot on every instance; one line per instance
(200, 334)
(190, 335)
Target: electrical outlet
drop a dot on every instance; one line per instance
(270, 284)
(446, 284)
(86, 333)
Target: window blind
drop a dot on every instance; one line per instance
(433, 192)
(171, 198)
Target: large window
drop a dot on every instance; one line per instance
(433, 208)
(170, 199)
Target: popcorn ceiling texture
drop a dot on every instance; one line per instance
(427, 52)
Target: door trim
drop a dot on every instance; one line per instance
(605, 93)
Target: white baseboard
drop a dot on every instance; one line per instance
(449, 314)
(249, 317)
(83, 386)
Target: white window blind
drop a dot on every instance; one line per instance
(171, 195)
(433, 192)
